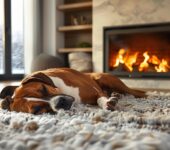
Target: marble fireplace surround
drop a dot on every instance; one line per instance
(120, 12)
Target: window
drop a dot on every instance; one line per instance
(1, 37)
(17, 37)
(11, 39)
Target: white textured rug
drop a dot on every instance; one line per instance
(142, 124)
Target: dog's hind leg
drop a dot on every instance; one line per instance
(110, 82)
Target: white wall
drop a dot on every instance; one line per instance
(41, 19)
(52, 18)
(32, 32)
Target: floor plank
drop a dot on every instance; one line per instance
(7, 83)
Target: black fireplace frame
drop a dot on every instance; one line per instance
(119, 29)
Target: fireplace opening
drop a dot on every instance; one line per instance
(137, 50)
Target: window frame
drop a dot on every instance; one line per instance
(8, 45)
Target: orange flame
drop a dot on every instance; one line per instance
(144, 65)
(154, 60)
(163, 66)
(129, 60)
(119, 58)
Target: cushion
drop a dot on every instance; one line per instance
(46, 61)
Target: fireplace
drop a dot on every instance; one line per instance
(137, 50)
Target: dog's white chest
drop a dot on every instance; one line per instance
(69, 90)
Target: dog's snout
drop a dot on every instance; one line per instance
(62, 102)
(65, 102)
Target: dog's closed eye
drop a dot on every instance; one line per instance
(44, 91)
(48, 92)
(39, 109)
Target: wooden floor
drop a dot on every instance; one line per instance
(6, 83)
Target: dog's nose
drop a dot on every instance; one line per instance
(65, 102)
(62, 102)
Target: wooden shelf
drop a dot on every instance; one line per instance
(74, 34)
(67, 50)
(75, 28)
(75, 6)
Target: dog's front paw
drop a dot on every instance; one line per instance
(111, 104)
(5, 103)
(116, 95)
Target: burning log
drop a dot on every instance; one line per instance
(151, 68)
(120, 67)
(135, 68)
(127, 61)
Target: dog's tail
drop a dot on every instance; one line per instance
(136, 92)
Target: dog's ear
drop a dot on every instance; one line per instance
(5, 103)
(38, 77)
(7, 91)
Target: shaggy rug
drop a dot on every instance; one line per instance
(140, 124)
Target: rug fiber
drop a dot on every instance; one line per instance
(139, 124)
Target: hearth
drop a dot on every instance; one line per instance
(137, 50)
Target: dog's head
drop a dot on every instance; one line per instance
(37, 94)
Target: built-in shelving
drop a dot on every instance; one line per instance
(67, 50)
(79, 31)
(75, 28)
(75, 6)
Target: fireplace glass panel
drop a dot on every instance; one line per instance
(137, 50)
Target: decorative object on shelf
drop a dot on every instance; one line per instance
(79, 20)
(45, 61)
(80, 61)
(84, 45)
(74, 20)
(85, 20)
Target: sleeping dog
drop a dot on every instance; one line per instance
(49, 90)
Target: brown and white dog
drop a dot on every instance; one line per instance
(52, 89)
